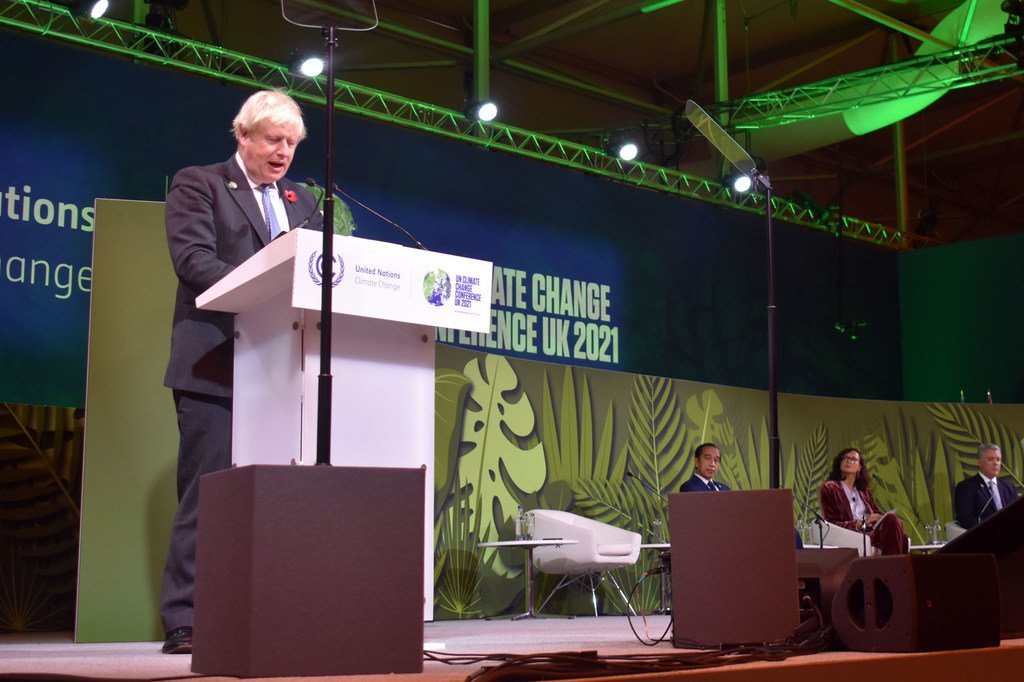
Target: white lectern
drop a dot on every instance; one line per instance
(387, 300)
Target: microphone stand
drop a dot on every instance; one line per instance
(819, 522)
(324, 379)
(664, 557)
(864, 534)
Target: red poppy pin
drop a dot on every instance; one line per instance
(290, 196)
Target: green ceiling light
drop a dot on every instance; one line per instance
(658, 4)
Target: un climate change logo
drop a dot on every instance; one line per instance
(316, 268)
(437, 287)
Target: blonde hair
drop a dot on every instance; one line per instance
(268, 106)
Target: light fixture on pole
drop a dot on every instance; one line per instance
(744, 164)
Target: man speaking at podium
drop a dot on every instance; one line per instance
(217, 217)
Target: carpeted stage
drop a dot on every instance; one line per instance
(56, 656)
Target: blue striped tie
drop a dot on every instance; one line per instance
(273, 228)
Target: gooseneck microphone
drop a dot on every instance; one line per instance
(987, 502)
(645, 484)
(389, 221)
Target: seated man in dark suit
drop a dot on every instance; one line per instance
(706, 460)
(983, 494)
(707, 457)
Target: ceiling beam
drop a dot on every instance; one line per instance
(570, 30)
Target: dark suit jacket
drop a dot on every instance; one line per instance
(971, 499)
(695, 485)
(214, 224)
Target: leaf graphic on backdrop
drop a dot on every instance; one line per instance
(569, 433)
(811, 471)
(888, 485)
(568, 449)
(497, 412)
(656, 433)
(450, 389)
(966, 428)
(941, 486)
(749, 472)
(616, 503)
(603, 459)
(705, 412)
(457, 570)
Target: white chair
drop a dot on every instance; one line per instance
(831, 535)
(954, 529)
(601, 548)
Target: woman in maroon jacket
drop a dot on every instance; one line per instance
(846, 501)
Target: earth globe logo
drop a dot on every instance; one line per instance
(437, 287)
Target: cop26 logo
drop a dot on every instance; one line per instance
(316, 268)
(437, 287)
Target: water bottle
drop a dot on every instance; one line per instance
(935, 532)
(657, 537)
(519, 524)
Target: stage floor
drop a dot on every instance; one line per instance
(55, 656)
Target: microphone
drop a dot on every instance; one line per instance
(645, 484)
(987, 502)
(819, 522)
(311, 183)
(389, 221)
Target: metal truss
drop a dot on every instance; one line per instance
(146, 45)
(984, 62)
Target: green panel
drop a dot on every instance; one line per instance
(961, 323)
(128, 497)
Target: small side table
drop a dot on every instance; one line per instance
(528, 546)
(661, 547)
(926, 549)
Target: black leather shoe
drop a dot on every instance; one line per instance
(179, 641)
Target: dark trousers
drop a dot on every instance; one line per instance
(204, 425)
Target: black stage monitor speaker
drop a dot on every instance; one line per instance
(918, 603)
(309, 571)
(1002, 534)
(819, 573)
(733, 567)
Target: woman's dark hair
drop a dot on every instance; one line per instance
(863, 480)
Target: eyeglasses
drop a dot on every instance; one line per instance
(852, 460)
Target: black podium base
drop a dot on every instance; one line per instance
(309, 571)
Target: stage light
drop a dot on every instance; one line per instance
(307, 65)
(625, 150)
(741, 183)
(92, 9)
(482, 111)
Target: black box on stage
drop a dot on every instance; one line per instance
(733, 567)
(819, 573)
(1002, 534)
(918, 603)
(309, 571)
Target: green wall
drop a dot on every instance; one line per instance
(961, 321)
